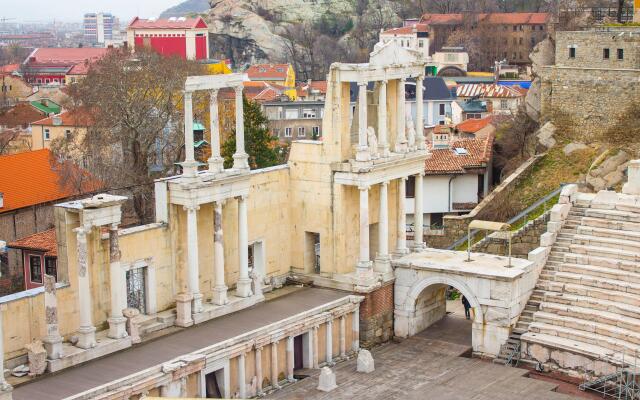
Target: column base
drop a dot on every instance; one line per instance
(117, 327)
(183, 310)
(220, 295)
(53, 346)
(189, 169)
(196, 306)
(216, 164)
(401, 147)
(363, 154)
(86, 337)
(383, 267)
(241, 161)
(418, 247)
(401, 251)
(6, 391)
(243, 287)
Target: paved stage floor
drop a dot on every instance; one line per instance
(98, 372)
(427, 366)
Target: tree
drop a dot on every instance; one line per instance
(7, 138)
(135, 132)
(263, 148)
(514, 142)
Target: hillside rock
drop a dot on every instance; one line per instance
(543, 54)
(185, 8)
(545, 137)
(574, 146)
(610, 173)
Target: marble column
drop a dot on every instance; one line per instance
(189, 166)
(274, 365)
(420, 113)
(290, 359)
(5, 388)
(242, 379)
(364, 264)
(192, 258)
(418, 215)
(401, 135)
(383, 260)
(329, 342)
(362, 153)
(219, 289)
(383, 139)
(259, 376)
(117, 321)
(314, 343)
(343, 336)
(53, 340)
(355, 326)
(401, 243)
(240, 158)
(216, 162)
(243, 288)
(86, 331)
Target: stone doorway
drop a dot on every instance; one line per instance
(298, 351)
(213, 389)
(136, 289)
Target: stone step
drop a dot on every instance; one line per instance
(592, 351)
(592, 303)
(606, 252)
(613, 243)
(613, 215)
(588, 315)
(605, 262)
(589, 291)
(598, 282)
(608, 233)
(530, 308)
(609, 224)
(601, 272)
(612, 344)
(607, 330)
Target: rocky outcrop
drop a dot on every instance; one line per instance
(543, 54)
(185, 8)
(609, 174)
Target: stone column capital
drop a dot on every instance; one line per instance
(238, 89)
(403, 79)
(385, 183)
(363, 187)
(213, 93)
(191, 208)
(363, 83)
(241, 198)
(420, 77)
(384, 82)
(258, 348)
(81, 230)
(113, 226)
(188, 95)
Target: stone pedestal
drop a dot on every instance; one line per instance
(633, 182)
(196, 304)
(6, 392)
(327, 380)
(183, 310)
(37, 356)
(365, 361)
(86, 337)
(53, 341)
(131, 316)
(117, 327)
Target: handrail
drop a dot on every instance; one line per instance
(525, 212)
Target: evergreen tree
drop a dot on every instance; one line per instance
(263, 148)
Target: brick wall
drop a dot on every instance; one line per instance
(376, 316)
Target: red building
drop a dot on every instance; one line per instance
(51, 65)
(184, 37)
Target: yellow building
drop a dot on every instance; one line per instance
(68, 123)
(277, 74)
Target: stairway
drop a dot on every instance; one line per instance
(587, 299)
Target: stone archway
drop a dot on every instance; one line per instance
(451, 71)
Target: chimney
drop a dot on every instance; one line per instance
(57, 121)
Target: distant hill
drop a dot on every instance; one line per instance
(186, 7)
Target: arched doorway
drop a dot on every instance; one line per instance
(451, 71)
(425, 307)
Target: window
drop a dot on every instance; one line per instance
(620, 54)
(442, 109)
(287, 132)
(503, 104)
(35, 269)
(520, 41)
(421, 43)
(292, 113)
(315, 131)
(410, 188)
(515, 28)
(572, 52)
(301, 131)
(308, 113)
(47, 134)
(67, 133)
(276, 132)
(605, 54)
(50, 267)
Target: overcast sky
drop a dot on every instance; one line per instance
(73, 10)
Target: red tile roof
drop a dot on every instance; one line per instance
(268, 71)
(446, 161)
(9, 68)
(22, 114)
(29, 178)
(168, 23)
(491, 18)
(484, 90)
(41, 241)
(67, 118)
(303, 88)
(473, 125)
(63, 55)
(405, 30)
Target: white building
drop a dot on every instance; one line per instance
(415, 37)
(500, 99)
(100, 27)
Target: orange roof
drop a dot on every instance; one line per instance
(29, 178)
(447, 161)
(491, 18)
(268, 71)
(473, 125)
(405, 30)
(72, 55)
(67, 118)
(41, 241)
(9, 68)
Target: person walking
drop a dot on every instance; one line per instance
(467, 307)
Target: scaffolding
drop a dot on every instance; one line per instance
(624, 384)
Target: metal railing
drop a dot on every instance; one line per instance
(524, 214)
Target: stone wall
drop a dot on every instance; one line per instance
(589, 49)
(523, 240)
(376, 316)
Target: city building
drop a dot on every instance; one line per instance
(63, 125)
(184, 37)
(415, 37)
(50, 66)
(311, 90)
(437, 101)
(15, 127)
(295, 120)
(99, 28)
(508, 36)
(472, 108)
(500, 99)
(277, 74)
